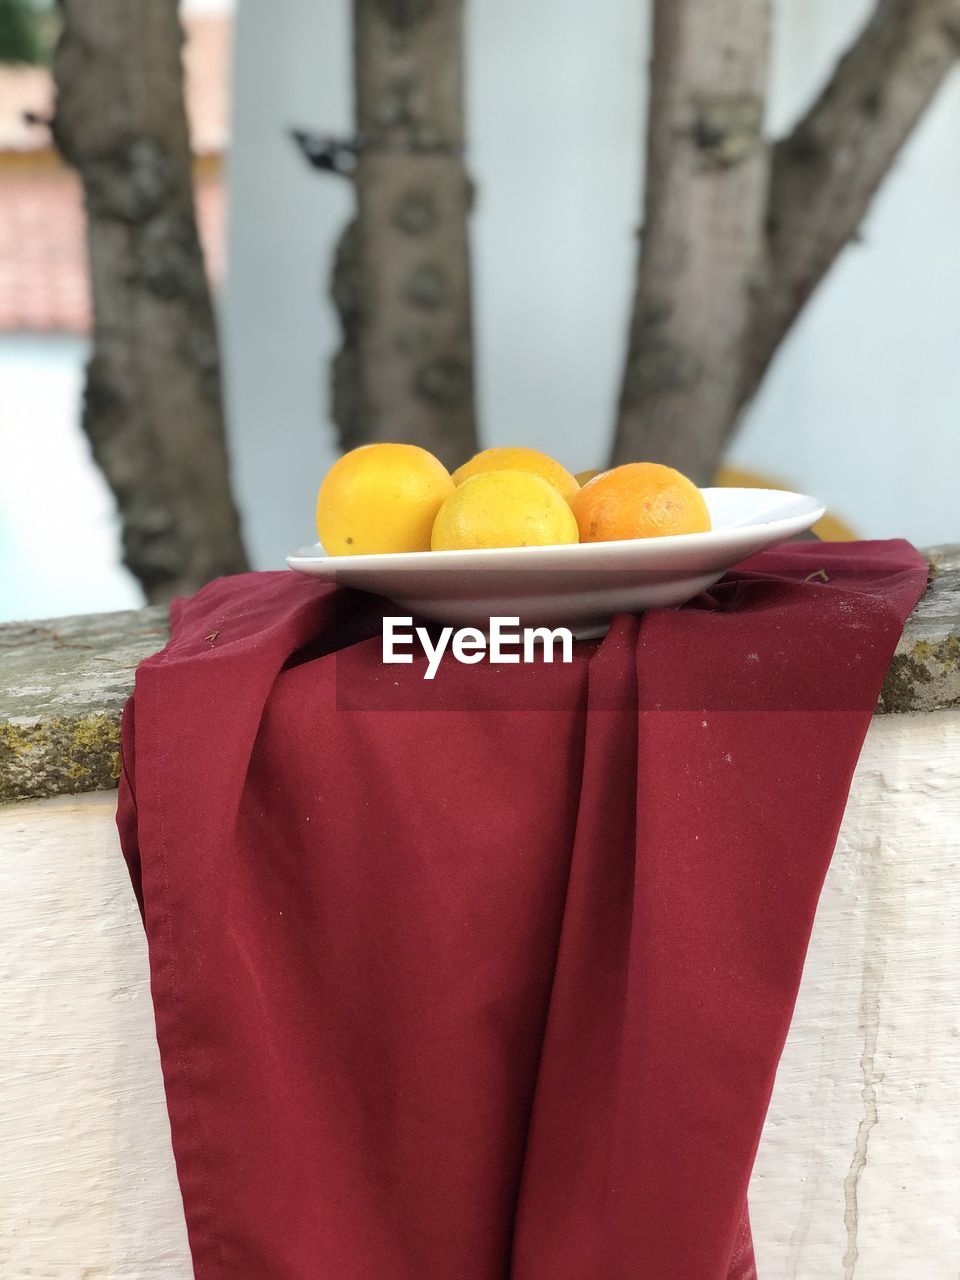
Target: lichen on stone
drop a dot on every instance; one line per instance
(923, 676)
(59, 756)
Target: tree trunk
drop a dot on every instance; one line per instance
(406, 372)
(729, 257)
(152, 404)
(707, 177)
(827, 171)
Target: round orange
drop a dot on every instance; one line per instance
(639, 500)
(381, 498)
(519, 458)
(503, 509)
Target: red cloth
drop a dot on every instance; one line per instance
(489, 976)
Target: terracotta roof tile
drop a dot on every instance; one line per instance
(43, 267)
(43, 264)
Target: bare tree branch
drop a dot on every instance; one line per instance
(152, 407)
(717, 295)
(827, 171)
(406, 264)
(703, 232)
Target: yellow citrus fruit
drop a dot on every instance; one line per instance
(381, 497)
(519, 459)
(503, 509)
(639, 500)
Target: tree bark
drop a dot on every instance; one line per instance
(406, 372)
(707, 178)
(827, 171)
(729, 258)
(152, 403)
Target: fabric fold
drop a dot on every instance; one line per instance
(489, 976)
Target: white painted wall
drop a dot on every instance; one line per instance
(858, 1173)
(59, 549)
(292, 67)
(87, 1180)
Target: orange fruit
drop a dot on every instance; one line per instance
(503, 509)
(519, 459)
(381, 497)
(584, 477)
(639, 500)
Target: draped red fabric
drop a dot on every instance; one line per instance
(489, 976)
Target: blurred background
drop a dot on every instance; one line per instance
(861, 405)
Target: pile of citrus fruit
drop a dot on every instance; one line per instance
(399, 497)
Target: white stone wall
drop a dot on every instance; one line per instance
(87, 1183)
(858, 1173)
(858, 1176)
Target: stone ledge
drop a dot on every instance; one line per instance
(66, 680)
(925, 672)
(943, 559)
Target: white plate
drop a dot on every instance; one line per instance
(582, 586)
